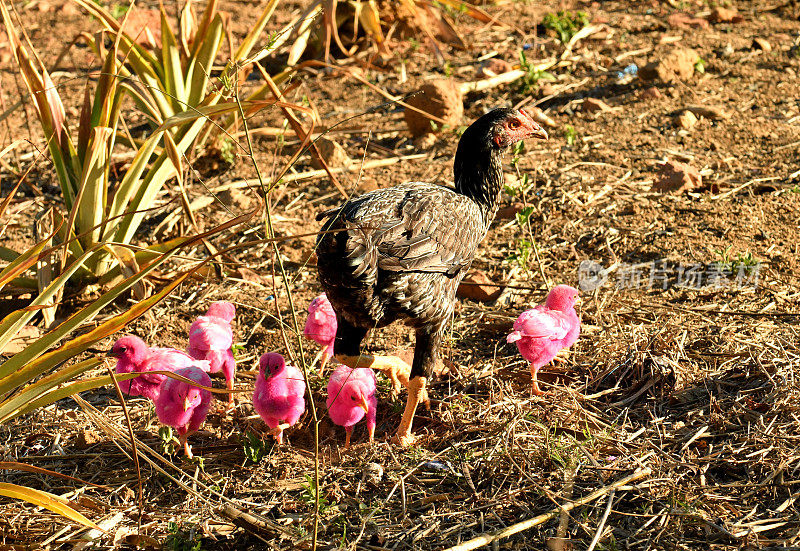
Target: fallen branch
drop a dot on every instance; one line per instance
(486, 539)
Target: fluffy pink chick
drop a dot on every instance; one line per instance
(279, 396)
(134, 355)
(542, 331)
(321, 327)
(183, 406)
(211, 338)
(351, 396)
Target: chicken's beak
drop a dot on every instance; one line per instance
(186, 404)
(538, 132)
(363, 404)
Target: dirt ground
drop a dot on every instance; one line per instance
(689, 352)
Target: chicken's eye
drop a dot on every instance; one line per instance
(122, 349)
(514, 124)
(353, 398)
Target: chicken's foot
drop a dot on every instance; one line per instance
(393, 367)
(416, 392)
(535, 390)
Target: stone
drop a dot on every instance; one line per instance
(331, 152)
(651, 93)
(493, 67)
(594, 105)
(677, 177)
(682, 20)
(677, 64)
(686, 119)
(479, 287)
(725, 15)
(441, 98)
(762, 44)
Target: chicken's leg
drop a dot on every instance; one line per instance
(416, 389)
(184, 440)
(428, 339)
(277, 432)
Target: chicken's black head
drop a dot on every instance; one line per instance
(503, 127)
(477, 168)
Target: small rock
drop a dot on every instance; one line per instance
(235, 198)
(509, 212)
(677, 64)
(594, 105)
(725, 51)
(477, 286)
(69, 9)
(373, 473)
(441, 98)
(331, 152)
(725, 15)
(651, 93)
(685, 119)
(425, 141)
(762, 44)
(86, 438)
(677, 177)
(547, 89)
(682, 20)
(708, 111)
(493, 67)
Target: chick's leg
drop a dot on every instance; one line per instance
(348, 431)
(535, 390)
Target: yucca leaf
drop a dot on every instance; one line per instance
(173, 72)
(202, 28)
(47, 500)
(15, 320)
(199, 68)
(17, 466)
(187, 27)
(88, 213)
(249, 41)
(70, 389)
(33, 361)
(24, 261)
(42, 386)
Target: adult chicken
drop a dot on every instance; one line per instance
(398, 254)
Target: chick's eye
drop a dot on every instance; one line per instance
(353, 398)
(122, 348)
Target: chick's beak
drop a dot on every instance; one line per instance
(363, 404)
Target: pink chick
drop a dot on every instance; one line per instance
(134, 355)
(279, 396)
(351, 396)
(183, 406)
(321, 327)
(211, 338)
(541, 332)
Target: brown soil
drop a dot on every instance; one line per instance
(697, 384)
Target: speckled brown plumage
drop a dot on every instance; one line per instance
(398, 254)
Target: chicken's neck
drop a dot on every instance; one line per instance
(479, 176)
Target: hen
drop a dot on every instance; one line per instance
(211, 338)
(133, 354)
(542, 331)
(351, 396)
(279, 396)
(398, 254)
